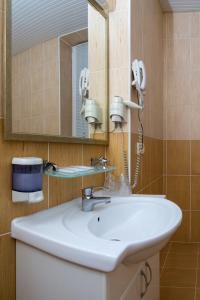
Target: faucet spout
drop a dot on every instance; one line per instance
(89, 201)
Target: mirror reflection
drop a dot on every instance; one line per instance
(59, 69)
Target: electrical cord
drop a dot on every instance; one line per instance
(124, 155)
(140, 152)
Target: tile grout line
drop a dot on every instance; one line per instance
(190, 180)
(48, 179)
(165, 260)
(152, 182)
(196, 273)
(195, 288)
(183, 175)
(178, 287)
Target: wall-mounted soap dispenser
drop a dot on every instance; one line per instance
(27, 177)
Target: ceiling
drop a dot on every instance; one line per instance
(37, 21)
(180, 5)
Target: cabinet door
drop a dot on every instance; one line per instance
(146, 283)
(152, 271)
(137, 287)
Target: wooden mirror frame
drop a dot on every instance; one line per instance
(7, 87)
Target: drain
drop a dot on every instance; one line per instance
(115, 240)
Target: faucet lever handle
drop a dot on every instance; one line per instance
(87, 192)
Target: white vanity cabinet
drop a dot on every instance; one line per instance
(41, 276)
(145, 284)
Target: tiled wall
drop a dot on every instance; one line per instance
(35, 76)
(182, 119)
(147, 44)
(65, 118)
(97, 62)
(56, 191)
(119, 46)
(119, 71)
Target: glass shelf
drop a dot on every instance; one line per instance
(69, 175)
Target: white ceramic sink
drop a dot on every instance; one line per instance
(128, 230)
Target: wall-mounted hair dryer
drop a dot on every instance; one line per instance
(93, 114)
(84, 87)
(139, 74)
(117, 110)
(118, 113)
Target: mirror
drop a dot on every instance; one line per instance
(59, 71)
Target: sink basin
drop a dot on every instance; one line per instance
(128, 230)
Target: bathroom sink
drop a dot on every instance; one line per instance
(128, 230)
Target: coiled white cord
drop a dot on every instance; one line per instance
(124, 158)
(140, 151)
(138, 159)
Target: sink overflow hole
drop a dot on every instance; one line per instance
(98, 219)
(115, 240)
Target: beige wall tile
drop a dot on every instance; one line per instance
(173, 293)
(146, 168)
(178, 123)
(182, 65)
(178, 53)
(36, 89)
(195, 226)
(51, 49)
(120, 5)
(164, 185)
(51, 102)
(147, 44)
(120, 83)
(156, 158)
(195, 157)
(157, 187)
(37, 78)
(7, 270)
(178, 190)
(164, 157)
(195, 192)
(195, 122)
(173, 277)
(97, 42)
(179, 25)
(93, 151)
(64, 190)
(178, 87)
(178, 157)
(1, 4)
(119, 40)
(181, 261)
(114, 152)
(8, 209)
(37, 54)
(194, 54)
(197, 292)
(37, 101)
(36, 125)
(50, 126)
(181, 113)
(184, 248)
(195, 24)
(198, 283)
(194, 86)
(183, 232)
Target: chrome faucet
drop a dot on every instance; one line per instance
(101, 162)
(89, 200)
